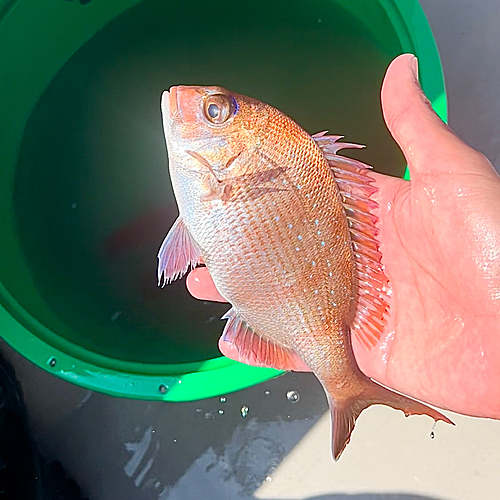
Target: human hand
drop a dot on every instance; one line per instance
(440, 241)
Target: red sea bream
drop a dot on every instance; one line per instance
(286, 229)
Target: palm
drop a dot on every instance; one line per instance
(440, 241)
(440, 343)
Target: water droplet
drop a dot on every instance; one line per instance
(221, 412)
(52, 362)
(163, 389)
(73, 205)
(222, 399)
(244, 411)
(174, 440)
(316, 291)
(157, 484)
(293, 396)
(432, 435)
(267, 393)
(268, 479)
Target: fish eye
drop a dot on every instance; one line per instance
(219, 108)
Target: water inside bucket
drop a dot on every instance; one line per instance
(92, 196)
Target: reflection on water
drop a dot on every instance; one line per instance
(93, 198)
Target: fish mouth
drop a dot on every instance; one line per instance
(170, 105)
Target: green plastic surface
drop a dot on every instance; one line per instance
(59, 96)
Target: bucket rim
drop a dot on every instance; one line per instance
(213, 377)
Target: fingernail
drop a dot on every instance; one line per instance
(414, 70)
(414, 67)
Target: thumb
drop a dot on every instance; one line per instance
(422, 136)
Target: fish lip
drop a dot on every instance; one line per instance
(170, 105)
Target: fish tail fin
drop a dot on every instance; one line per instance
(344, 415)
(345, 412)
(378, 394)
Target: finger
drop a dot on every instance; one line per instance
(201, 286)
(422, 136)
(229, 350)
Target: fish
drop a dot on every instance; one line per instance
(287, 229)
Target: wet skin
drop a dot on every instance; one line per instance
(440, 241)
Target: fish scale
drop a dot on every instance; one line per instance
(263, 190)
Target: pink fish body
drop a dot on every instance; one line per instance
(285, 227)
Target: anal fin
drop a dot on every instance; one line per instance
(252, 349)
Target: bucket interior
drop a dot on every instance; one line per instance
(87, 194)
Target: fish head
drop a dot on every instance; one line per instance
(210, 130)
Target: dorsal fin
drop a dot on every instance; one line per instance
(356, 189)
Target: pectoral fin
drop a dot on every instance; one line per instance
(177, 254)
(254, 350)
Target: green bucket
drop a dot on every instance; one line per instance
(85, 198)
